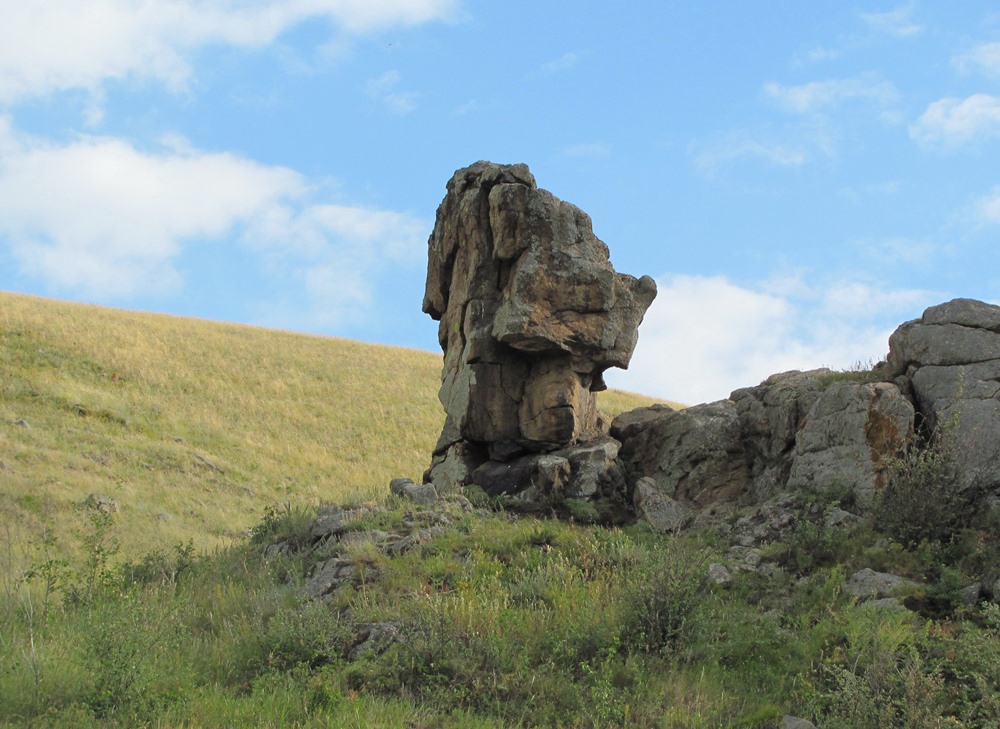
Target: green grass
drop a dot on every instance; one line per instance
(236, 434)
(195, 427)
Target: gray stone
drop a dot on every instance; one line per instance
(949, 360)
(770, 416)
(869, 584)
(102, 503)
(365, 536)
(851, 430)
(795, 722)
(328, 576)
(422, 494)
(375, 638)
(663, 513)
(718, 574)
(970, 595)
(990, 586)
(594, 469)
(839, 517)
(333, 521)
(412, 540)
(695, 455)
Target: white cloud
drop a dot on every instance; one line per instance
(951, 122)
(899, 250)
(591, 150)
(100, 218)
(54, 45)
(984, 58)
(384, 89)
(731, 147)
(817, 95)
(565, 62)
(704, 336)
(897, 23)
(987, 208)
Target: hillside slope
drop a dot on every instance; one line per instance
(193, 427)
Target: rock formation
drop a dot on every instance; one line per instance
(531, 314)
(948, 362)
(820, 429)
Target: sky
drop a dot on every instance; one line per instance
(799, 178)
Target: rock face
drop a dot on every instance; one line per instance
(531, 314)
(948, 361)
(818, 429)
(850, 431)
(794, 430)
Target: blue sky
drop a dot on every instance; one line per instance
(799, 178)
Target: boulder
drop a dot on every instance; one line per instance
(420, 494)
(695, 455)
(867, 584)
(851, 431)
(949, 361)
(531, 314)
(663, 513)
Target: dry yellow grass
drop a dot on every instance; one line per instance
(195, 427)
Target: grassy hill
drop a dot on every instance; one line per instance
(194, 427)
(193, 605)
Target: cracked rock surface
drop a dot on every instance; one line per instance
(531, 314)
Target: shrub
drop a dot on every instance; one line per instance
(662, 597)
(923, 498)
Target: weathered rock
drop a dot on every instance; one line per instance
(531, 315)
(328, 576)
(795, 722)
(375, 638)
(770, 416)
(851, 430)
(662, 512)
(695, 455)
(412, 540)
(594, 469)
(950, 360)
(422, 494)
(869, 584)
(718, 574)
(333, 521)
(102, 503)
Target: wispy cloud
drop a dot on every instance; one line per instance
(951, 122)
(896, 250)
(725, 149)
(99, 218)
(987, 208)
(705, 336)
(818, 95)
(565, 62)
(384, 89)
(54, 45)
(984, 58)
(590, 150)
(898, 23)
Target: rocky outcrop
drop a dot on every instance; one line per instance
(531, 314)
(948, 361)
(694, 455)
(851, 430)
(821, 430)
(795, 430)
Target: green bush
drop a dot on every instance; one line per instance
(923, 498)
(661, 598)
